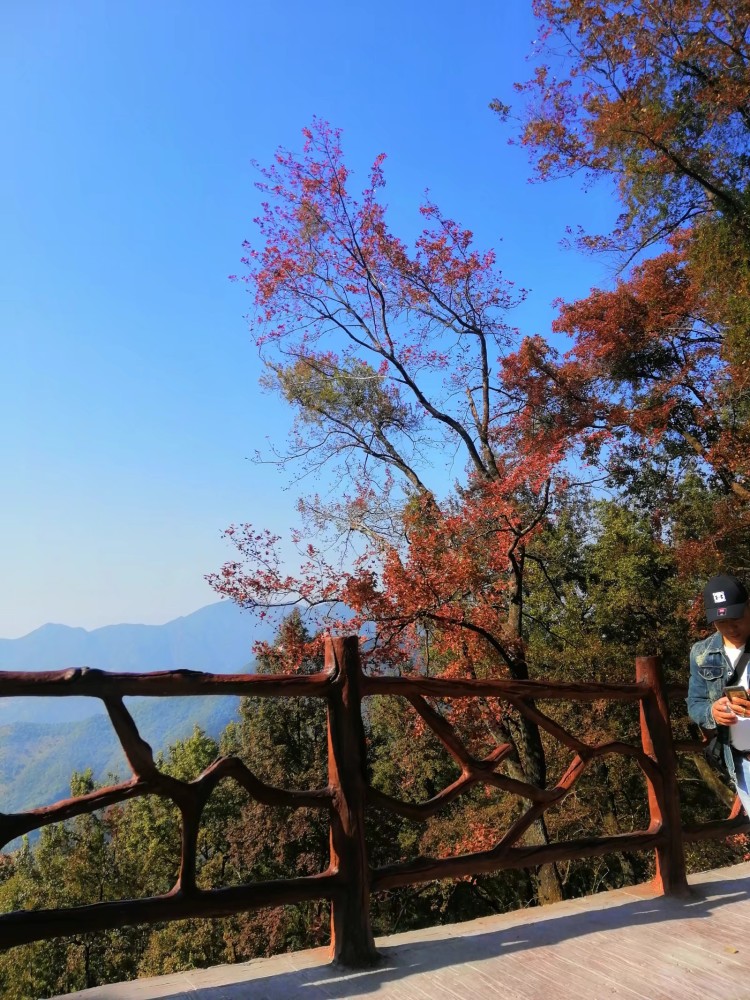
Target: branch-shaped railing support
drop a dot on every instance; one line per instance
(663, 795)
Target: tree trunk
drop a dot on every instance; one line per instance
(611, 823)
(722, 792)
(548, 883)
(528, 741)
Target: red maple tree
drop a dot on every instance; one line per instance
(653, 95)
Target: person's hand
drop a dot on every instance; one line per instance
(741, 707)
(724, 712)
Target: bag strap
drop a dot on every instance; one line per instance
(722, 733)
(739, 667)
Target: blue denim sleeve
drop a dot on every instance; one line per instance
(698, 701)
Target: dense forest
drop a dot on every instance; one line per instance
(498, 505)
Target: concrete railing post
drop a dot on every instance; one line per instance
(352, 942)
(663, 800)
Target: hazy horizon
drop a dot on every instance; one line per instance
(94, 628)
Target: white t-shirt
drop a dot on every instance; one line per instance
(739, 733)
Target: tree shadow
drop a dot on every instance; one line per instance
(455, 947)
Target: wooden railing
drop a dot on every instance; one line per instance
(349, 879)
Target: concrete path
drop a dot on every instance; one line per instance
(624, 944)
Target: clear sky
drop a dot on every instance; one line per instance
(129, 404)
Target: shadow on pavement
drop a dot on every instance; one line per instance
(403, 960)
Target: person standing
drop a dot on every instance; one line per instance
(718, 662)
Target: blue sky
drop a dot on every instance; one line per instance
(128, 385)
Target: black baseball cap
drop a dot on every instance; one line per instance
(724, 597)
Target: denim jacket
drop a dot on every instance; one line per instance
(710, 671)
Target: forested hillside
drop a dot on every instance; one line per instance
(37, 759)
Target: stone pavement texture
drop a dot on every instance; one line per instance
(626, 944)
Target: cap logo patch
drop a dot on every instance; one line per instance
(721, 612)
(719, 596)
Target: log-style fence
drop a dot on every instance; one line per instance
(350, 879)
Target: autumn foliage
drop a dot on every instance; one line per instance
(651, 95)
(389, 357)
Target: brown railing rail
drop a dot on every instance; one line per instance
(349, 879)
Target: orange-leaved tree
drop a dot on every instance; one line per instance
(651, 394)
(393, 360)
(653, 95)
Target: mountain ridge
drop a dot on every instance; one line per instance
(217, 638)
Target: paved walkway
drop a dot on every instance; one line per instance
(624, 944)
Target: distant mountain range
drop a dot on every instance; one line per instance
(217, 638)
(43, 740)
